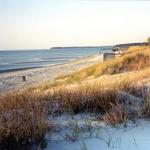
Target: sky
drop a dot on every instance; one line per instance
(41, 24)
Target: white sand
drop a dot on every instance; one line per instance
(13, 80)
(83, 132)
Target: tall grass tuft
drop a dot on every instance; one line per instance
(23, 120)
(116, 116)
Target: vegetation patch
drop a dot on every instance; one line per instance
(24, 114)
(23, 120)
(136, 58)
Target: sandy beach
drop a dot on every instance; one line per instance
(13, 80)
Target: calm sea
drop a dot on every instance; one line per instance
(16, 60)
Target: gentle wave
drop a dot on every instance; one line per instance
(11, 60)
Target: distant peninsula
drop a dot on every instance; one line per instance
(78, 47)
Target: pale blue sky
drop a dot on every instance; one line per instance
(29, 24)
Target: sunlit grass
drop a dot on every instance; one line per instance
(136, 58)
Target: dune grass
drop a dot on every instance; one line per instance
(117, 116)
(22, 120)
(24, 114)
(136, 58)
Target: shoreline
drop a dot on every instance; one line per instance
(16, 69)
(10, 81)
(38, 67)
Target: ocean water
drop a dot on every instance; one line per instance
(16, 60)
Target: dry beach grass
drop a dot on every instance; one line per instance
(136, 58)
(24, 114)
